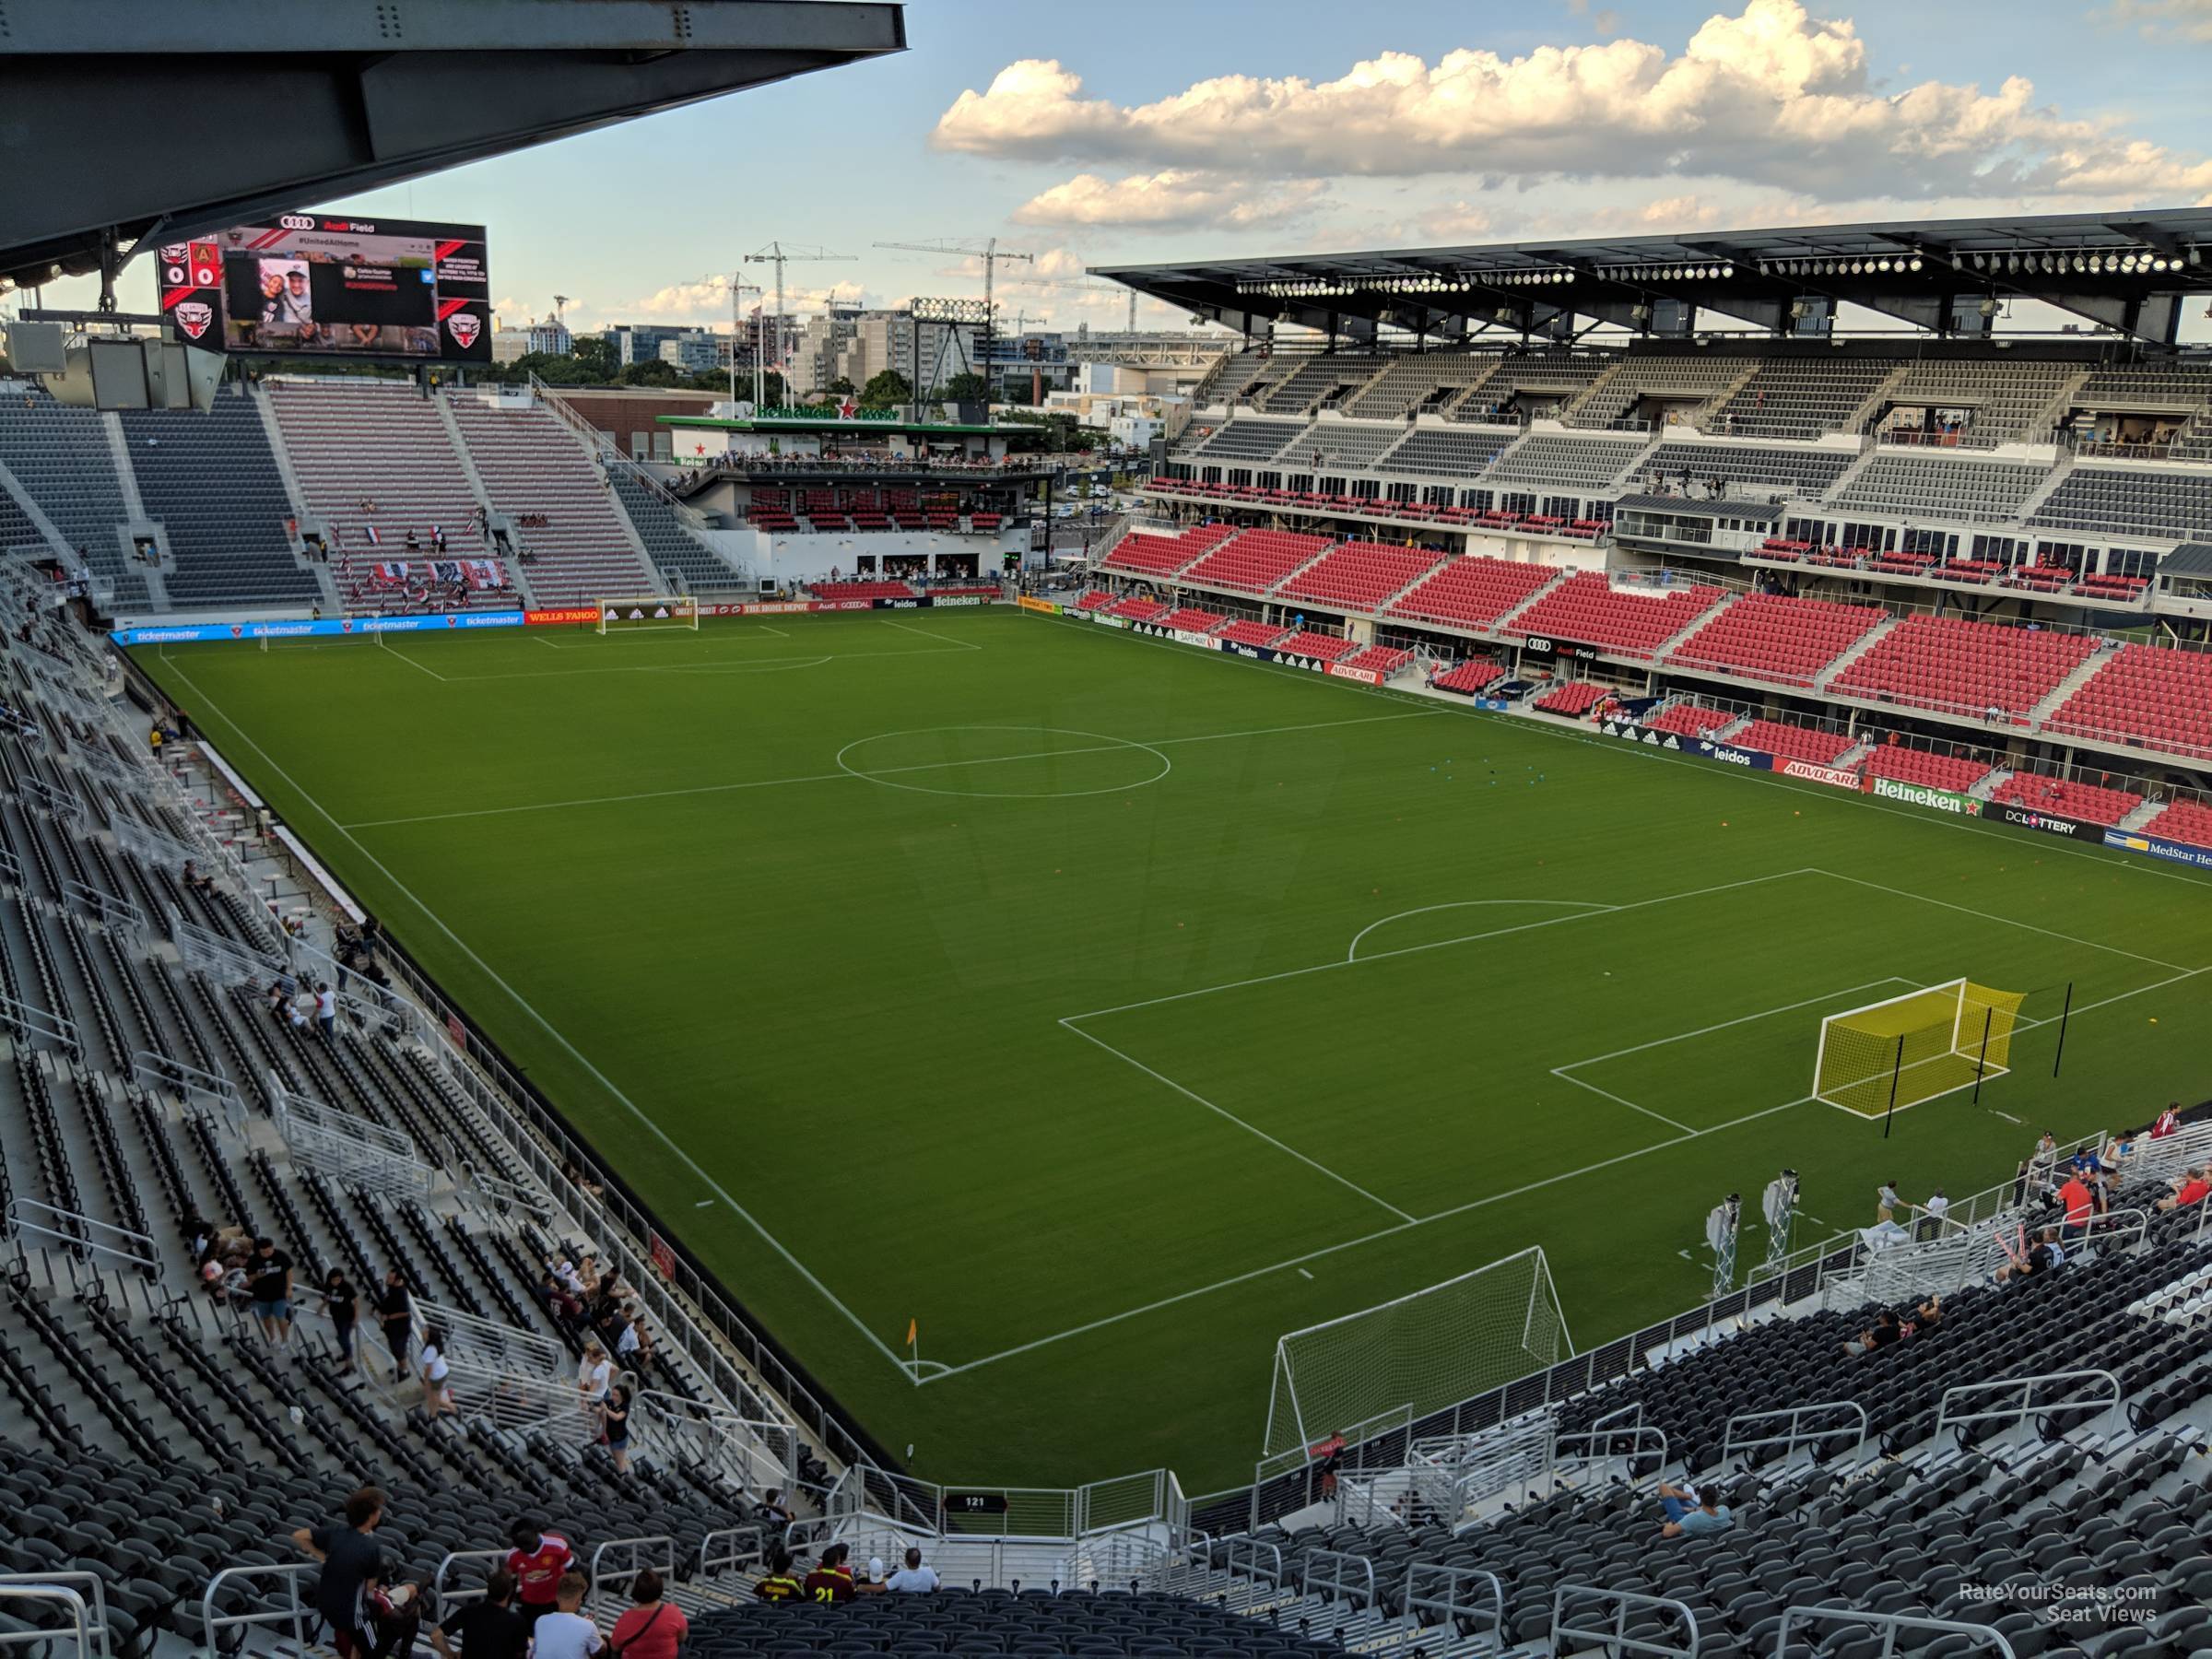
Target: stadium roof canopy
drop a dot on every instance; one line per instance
(133, 120)
(2130, 272)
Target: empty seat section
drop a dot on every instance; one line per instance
(1634, 622)
(1138, 607)
(1471, 677)
(1530, 383)
(536, 469)
(684, 560)
(1674, 379)
(1327, 647)
(1802, 472)
(375, 457)
(1091, 602)
(2120, 501)
(1689, 719)
(1384, 660)
(1941, 485)
(1248, 632)
(1792, 742)
(2155, 696)
(1424, 380)
(1576, 698)
(1769, 637)
(1957, 774)
(2189, 821)
(2066, 797)
(1338, 446)
(1360, 575)
(2003, 401)
(1473, 592)
(1318, 379)
(212, 482)
(1147, 555)
(1556, 460)
(1189, 618)
(1429, 452)
(1802, 397)
(1254, 561)
(1244, 439)
(1966, 667)
(61, 456)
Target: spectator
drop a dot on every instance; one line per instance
(565, 1632)
(326, 1010)
(1927, 1315)
(773, 1511)
(269, 1290)
(538, 1562)
(488, 1628)
(913, 1578)
(2045, 1254)
(344, 1308)
(1880, 1335)
(592, 1375)
(1691, 1513)
(2191, 1189)
(1885, 1202)
(396, 1313)
(352, 1566)
(565, 1309)
(777, 1584)
(1932, 1216)
(437, 1392)
(2074, 1195)
(2170, 1122)
(613, 1426)
(627, 1339)
(650, 1627)
(831, 1580)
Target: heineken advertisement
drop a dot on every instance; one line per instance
(846, 411)
(1922, 794)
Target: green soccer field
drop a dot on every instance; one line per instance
(1110, 1009)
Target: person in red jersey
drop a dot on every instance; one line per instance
(537, 1561)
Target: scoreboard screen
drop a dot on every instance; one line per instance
(330, 285)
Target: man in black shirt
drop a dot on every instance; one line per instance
(269, 1288)
(396, 1312)
(352, 1566)
(486, 1628)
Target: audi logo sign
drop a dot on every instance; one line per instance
(296, 221)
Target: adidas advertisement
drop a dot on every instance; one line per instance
(1922, 794)
(1628, 731)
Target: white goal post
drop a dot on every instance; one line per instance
(1908, 1050)
(1422, 1352)
(630, 612)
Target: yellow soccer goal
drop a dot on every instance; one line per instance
(1916, 1047)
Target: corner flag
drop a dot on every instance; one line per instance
(913, 1329)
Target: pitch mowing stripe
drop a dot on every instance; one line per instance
(1965, 910)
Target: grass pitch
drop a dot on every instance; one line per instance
(1110, 1008)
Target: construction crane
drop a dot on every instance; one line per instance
(777, 254)
(985, 249)
(1021, 327)
(739, 288)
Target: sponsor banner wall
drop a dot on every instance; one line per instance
(1727, 754)
(555, 619)
(1043, 608)
(1366, 676)
(2158, 847)
(1628, 731)
(1103, 620)
(1834, 777)
(2050, 823)
(1543, 645)
(1203, 641)
(1922, 794)
(195, 633)
(1258, 653)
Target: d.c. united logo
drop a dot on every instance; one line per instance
(463, 326)
(194, 317)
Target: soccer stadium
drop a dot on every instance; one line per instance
(1532, 979)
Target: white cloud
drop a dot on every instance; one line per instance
(2188, 19)
(1770, 96)
(1173, 197)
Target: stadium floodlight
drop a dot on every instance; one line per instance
(1906, 1051)
(1428, 1351)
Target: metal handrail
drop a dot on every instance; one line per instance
(1608, 1445)
(55, 1587)
(1341, 1580)
(1618, 1638)
(632, 1556)
(132, 1249)
(1448, 1603)
(715, 1557)
(1794, 1434)
(449, 1597)
(300, 1617)
(1945, 1417)
(1889, 1624)
(1255, 1553)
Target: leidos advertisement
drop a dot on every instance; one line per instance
(329, 284)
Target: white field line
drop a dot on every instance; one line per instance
(1279, 1146)
(1384, 955)
(645, 1119)
(409, 661)
(945, 639)
(1352, 954)
(660, 795)
(1620, 1099)
(1965, 910)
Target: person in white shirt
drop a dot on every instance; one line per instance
(594, 1375)
(437, 1392)
(1933, 1213)
(626, 1345)
(326, 1010)
(913, 1578)
(565, 1633)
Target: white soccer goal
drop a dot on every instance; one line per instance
(1422, 1352)
(1908, 1050)
(648, 610)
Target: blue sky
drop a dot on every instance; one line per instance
(1553, 118)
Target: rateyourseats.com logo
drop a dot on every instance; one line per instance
(2097, 1604)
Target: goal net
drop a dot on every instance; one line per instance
(651, 610)
(1916, 1047)
(1423, 1353)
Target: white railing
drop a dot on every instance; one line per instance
(82, 1235)
(756, 1455)
(1890, 1625)
(82, 1597)
(1570, 1602)
(1457, 1596)
(2016, 1398)
(1798, 1425)
(349, 1148)
(272, 1592)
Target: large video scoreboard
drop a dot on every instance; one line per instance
(330, 285)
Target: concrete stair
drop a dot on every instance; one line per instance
(2074, 682)
(1826, 677)
(2142, 815)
